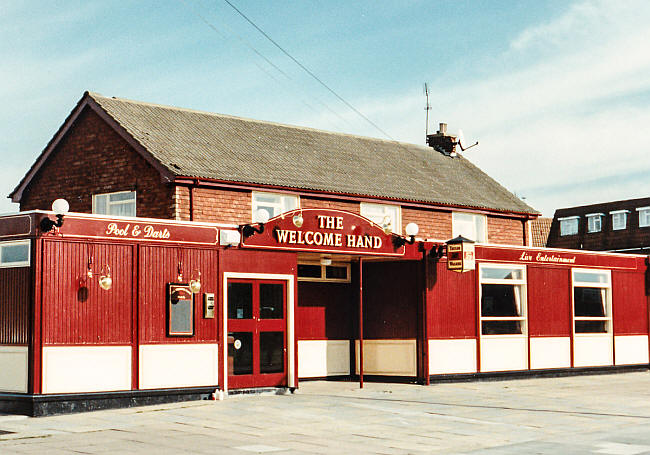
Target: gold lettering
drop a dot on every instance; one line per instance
(328, 239)
(338, 240)
(292, 236)
(282, 235)
(367, 242)
(351, 239)
(318, 238)
(330, 223)
(339, 223)
(300, 239)
(377, 244)
(309, 238)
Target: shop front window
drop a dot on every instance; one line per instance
(592, 301)
(503, 299)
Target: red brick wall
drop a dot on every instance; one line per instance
(92, 158)
(505, 231)
(312, 203)
(433, 224)
(224, 206)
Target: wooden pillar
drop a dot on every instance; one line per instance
(360, 323)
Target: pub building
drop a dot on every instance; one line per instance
(190, 255)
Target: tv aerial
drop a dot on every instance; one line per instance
(427, 108)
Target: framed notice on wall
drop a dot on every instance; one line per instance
(180, 310)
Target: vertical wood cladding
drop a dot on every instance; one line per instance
(390, 299)
(158, 265)
(629, 303)
(15, 286)
(326, 310)
(451, 302)
(549, 301)
(75, 309)
(92, 158)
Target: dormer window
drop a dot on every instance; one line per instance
(644, 216)
(619, 219)
(569, 225)
(595, 222)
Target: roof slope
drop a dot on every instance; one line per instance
(540, 229)
(199, 144)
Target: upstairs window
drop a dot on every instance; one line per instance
(619, 219)
(273, 203)
(470, 225)
(569, 225)
(644, 216)
(387, 216)
(121, 203)
(595, 222)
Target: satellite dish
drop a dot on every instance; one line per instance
(460, 140)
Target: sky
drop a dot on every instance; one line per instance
(556, 92)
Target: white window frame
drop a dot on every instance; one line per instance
(478, 222)
(617, 215)
(6, 265)
(644, 216)
(323, 273)
(523, 298)
(564, 225)
(110, 204)
(377, 213)
(283, 203)
(606, 289)
(594, 222)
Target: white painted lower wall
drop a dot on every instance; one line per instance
(550, 352)
(592, 350)
(14, 363)
(178, 365)
(75, 369)
(319, 358)
(504, 353)
(452, 356)
(388, 357)
(631, 349)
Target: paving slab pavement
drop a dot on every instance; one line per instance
(601, 414)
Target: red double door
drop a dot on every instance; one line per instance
(257, 342)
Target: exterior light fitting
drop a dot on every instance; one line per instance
(60, 207)
(387, 225)
(262, 216)
(105, 280)
(298, 219)
(326, 260)
(411, 230)
(195, 282)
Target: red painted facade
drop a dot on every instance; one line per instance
(55, 303)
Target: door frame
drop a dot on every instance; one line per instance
(290, 280)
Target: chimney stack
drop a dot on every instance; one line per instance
(442, 142)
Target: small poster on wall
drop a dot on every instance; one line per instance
(180, 310)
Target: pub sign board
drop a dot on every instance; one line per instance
(461, 255)
(325, 231)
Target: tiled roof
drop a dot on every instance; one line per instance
(190, 143)
(540, 229)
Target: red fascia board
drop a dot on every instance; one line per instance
(350, 197)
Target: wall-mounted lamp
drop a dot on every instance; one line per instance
(60, 207)
(325, 260)
(387, 225)
(411, 230)
(105, 280)
(195, 282)
(261, 217)
(298, 220)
